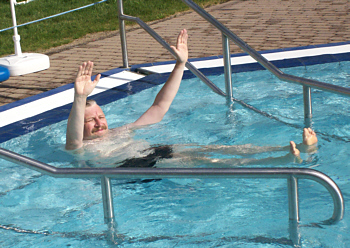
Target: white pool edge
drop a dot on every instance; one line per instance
(46, 103)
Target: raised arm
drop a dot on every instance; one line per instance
(168, 92)
(83, 86)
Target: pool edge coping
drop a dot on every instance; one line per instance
(306, 55)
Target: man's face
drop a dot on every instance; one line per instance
(95, 123)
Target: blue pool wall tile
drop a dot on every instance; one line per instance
(59, 114)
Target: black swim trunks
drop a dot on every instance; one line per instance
(158, 153)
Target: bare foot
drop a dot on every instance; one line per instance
(293, 149)
(309, 137)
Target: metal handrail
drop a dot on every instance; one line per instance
(292, 174)
(161, 41)
(262, 60)
(306, 83)
(227, 34)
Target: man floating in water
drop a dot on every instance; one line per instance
(87, 122)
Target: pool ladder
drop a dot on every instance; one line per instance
(226, 35)
(291, 174)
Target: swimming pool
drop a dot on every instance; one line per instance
(43, 211)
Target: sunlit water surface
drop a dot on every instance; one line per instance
(41, 211)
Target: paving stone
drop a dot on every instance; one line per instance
(263, 24)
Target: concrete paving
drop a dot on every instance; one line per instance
(263, 24)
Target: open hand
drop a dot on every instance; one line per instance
(181, 49)
(83, 85)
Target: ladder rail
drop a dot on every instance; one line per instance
(160, 173)
(262, 60)
(161, 41)
(307, 84)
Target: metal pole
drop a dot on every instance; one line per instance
(122, 34)
(193, 69)
(293, 202)
(293, 199)
(294, 233)
(262, 60)
(107, 199)
(299, 173)
(16, 38)
(307, 106)
(227, 67)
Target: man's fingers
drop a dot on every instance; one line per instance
(86, 70)
(90, 66)
(179, 38)
(81, 69)
(97, 78)
(184, 36)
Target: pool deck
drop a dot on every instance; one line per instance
(263, 24)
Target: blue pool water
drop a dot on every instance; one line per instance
(40, 211)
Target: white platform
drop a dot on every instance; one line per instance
(26, 63)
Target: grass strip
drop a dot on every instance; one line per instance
(64, 29)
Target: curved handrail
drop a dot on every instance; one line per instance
(122, 173)
(263, 61)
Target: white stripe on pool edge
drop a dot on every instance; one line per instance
(44, 104)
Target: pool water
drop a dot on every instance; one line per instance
(41, 211)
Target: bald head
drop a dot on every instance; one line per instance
(95, 123)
